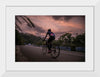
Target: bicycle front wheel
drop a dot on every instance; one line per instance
(44, 49)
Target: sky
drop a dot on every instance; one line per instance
(58, 24)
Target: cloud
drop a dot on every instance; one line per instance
(39, 29)
(66, 18)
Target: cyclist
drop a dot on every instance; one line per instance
(51, 38)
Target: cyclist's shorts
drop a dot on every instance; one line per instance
(51, 39)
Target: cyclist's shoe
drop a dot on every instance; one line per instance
(49, 51)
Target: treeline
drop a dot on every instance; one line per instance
(66, 40)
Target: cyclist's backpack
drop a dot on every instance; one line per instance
(52, 34)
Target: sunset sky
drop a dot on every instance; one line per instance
(58, 24)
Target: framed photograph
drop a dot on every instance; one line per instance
(49, 39)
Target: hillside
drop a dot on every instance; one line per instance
(25, 38)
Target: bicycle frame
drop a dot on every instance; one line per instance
(53, 50)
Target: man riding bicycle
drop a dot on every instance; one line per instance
(51, 38)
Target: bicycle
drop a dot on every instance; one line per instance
(55, 50)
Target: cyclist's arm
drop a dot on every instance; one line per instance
(46, 36)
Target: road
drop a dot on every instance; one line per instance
(34, 54)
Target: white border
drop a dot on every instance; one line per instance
(52, 66)
(96, 73)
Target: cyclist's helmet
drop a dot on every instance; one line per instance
(49, 30)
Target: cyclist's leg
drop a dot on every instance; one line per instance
(48, 44)
(51, 39)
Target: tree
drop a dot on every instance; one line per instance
(66, 39)
(19, 39)
(26, 19)
(80, 40)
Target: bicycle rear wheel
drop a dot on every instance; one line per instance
(55, 52)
